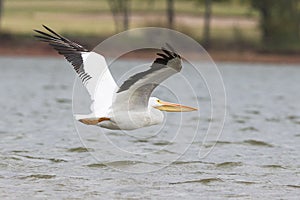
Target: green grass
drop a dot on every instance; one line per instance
(21, 15)
(84, 18)
(100, 6)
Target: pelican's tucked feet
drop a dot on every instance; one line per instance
(93, 121)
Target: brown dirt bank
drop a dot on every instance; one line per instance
(39, 49)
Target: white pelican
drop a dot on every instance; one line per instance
(126, 107)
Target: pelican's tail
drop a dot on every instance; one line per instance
(79, 117)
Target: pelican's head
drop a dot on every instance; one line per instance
(169, 107)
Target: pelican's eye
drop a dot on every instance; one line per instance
(158, 101)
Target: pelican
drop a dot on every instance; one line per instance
(129, 106)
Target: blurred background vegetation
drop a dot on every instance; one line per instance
(236, 25)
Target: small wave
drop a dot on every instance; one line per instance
(162, 143)
(96, 165)
(55, 160)
(185, 162)
(272, 119)
(223, 142)
(293, 186)
(125, 163)
(274, 166)
(241, 117)
(204, 181)
(240, 121)
(249, 128)
(80, 149)
(246, 182)
(14, 158)
(294, 119)
(141, 141)
(253, 112)
(20, 151)
(38, 176)
(63, 100)
(119, 163)
(257, 143)
(229, 164)
(164, 151)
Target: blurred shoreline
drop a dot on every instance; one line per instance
(35, 48)
(233, 30)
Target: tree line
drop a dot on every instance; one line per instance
(279, 19)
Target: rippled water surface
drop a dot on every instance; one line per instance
(43, 156)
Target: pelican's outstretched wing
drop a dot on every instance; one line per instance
(91, 68)
(136, 91)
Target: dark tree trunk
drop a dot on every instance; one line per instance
(1, 9)
(126, 11)
(207, 19)
(170, 13)
(113, 5)
(265, 18)
(120, 10)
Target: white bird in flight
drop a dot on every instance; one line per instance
(129, 106)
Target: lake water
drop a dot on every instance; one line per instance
(45, 154)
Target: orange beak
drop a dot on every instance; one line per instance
(173, 107)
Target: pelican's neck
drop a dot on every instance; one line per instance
(156, 115)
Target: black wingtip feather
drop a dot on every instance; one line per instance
(70, 50)
(53, 32)
(168, 53)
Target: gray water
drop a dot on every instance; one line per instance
(43, 156)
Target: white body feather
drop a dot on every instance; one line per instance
(128, 107)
